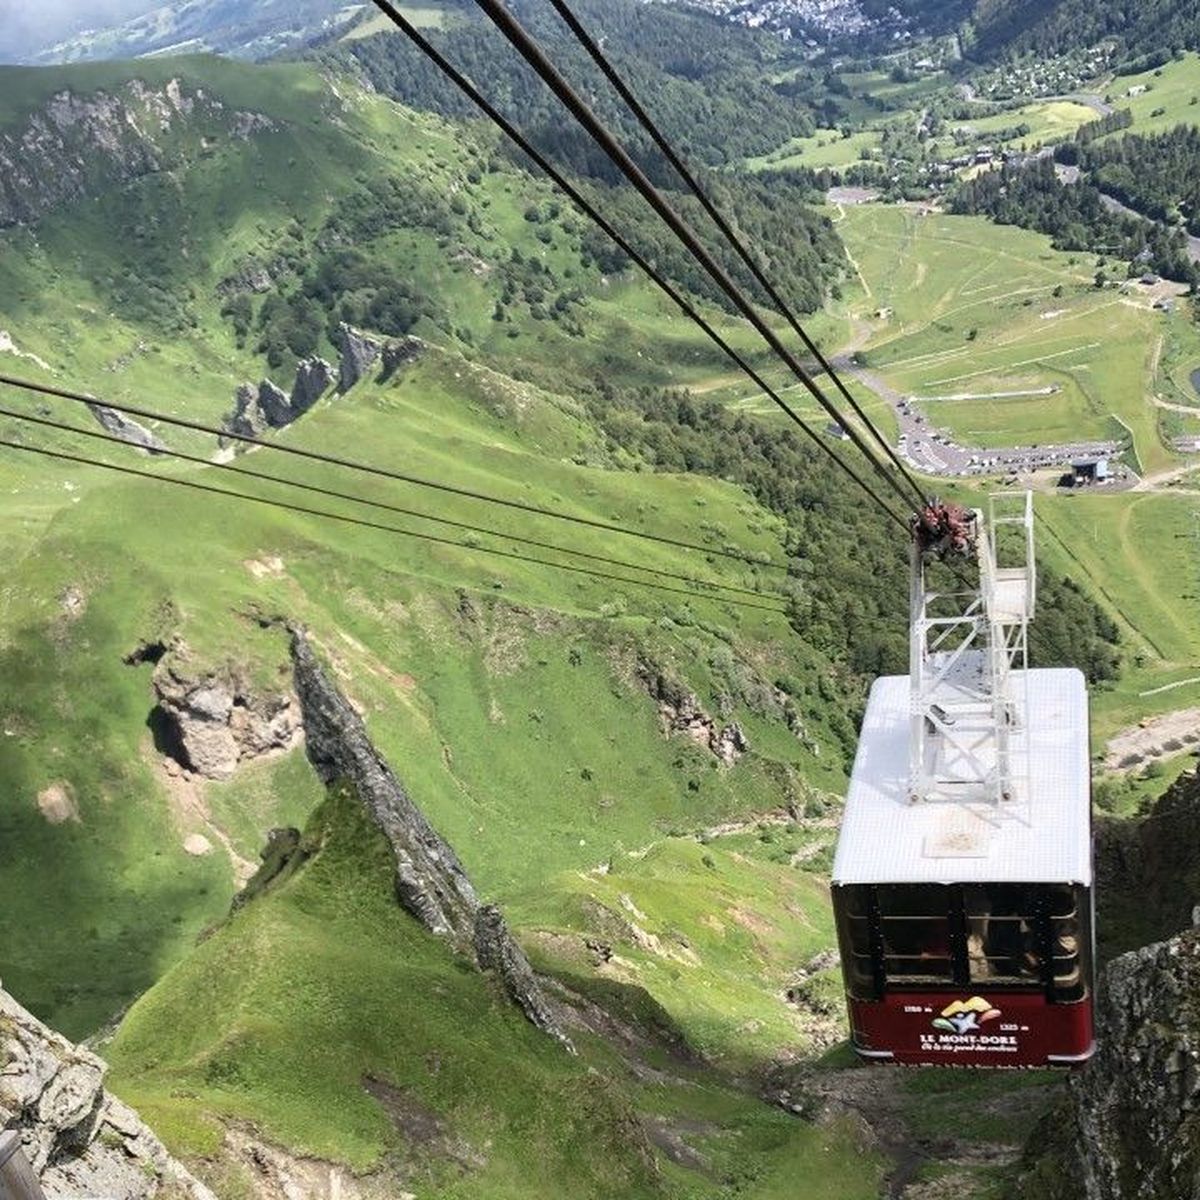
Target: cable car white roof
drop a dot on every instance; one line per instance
(1046, 838)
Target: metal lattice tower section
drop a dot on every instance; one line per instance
(968, 667)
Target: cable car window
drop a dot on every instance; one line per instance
(853, 907)
(1004, 940)
(1069, 938)
(915, 930)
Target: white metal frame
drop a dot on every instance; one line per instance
(968, 666)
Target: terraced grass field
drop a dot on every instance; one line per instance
(973, 310)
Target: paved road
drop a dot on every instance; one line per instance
(934, 452)
(1113, 205)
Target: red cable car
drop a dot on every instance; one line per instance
(962, 884)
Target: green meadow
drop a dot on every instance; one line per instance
(964, 311)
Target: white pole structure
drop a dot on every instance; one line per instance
(968, 667)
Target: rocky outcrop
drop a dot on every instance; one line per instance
(74, 144)
(79, 1140)
(358, 352)
(281, 855)
(431, 882)
(268, 406)
(1156, 860)
(313, 379)
(127, 429)
(212, 723)
(1136, 1107)
(400, 353)
(497, 950)
(682, 712)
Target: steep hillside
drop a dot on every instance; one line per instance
(451, 1092)
(223, 26)
(1150, 28)
(336, 203)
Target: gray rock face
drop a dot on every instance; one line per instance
(127, 429)
(268, 406)
(357, 352)
(399, 353)
(274, 403)
(497, 950)
(313, 379)
(1136, 1106)
(77, 143)
(247, 418)
(682, 712)
(80, 1141)
(218, 721)
(431, 883)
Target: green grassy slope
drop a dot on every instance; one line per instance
(323, 984)
(481, 716)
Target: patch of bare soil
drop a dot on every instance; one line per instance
(421, 1126)
(668, 1135)
(57, 803)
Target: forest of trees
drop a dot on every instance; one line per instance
(1149, 31)
(707, 82)
(1074, 215)
(850, 566)
(1157, 175)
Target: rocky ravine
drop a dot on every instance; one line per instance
(80, 1141)
(431, 882)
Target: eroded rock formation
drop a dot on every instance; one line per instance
(358, 352)
(75, 142)
(399, 353)
(127, 429)
(80, 1140)
(268, 406)
(431, 882)
(313, 379)
(497, 950)
(216, 720)
(682, 712)
(1136, 1106)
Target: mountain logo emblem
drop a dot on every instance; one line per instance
(966, 1016)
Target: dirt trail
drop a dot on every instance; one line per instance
(875, 1098)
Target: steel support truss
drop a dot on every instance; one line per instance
(968, 666)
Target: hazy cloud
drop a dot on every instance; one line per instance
(27, 26)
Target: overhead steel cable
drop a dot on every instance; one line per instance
(45, 389)
(731, 236)
(325, 514)
(591, 211)
(533, 54)
(332, 493)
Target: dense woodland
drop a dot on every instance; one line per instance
(1157, 175)
(708, 83)
(849, 563)
(1149, 31)
(1074, 215)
